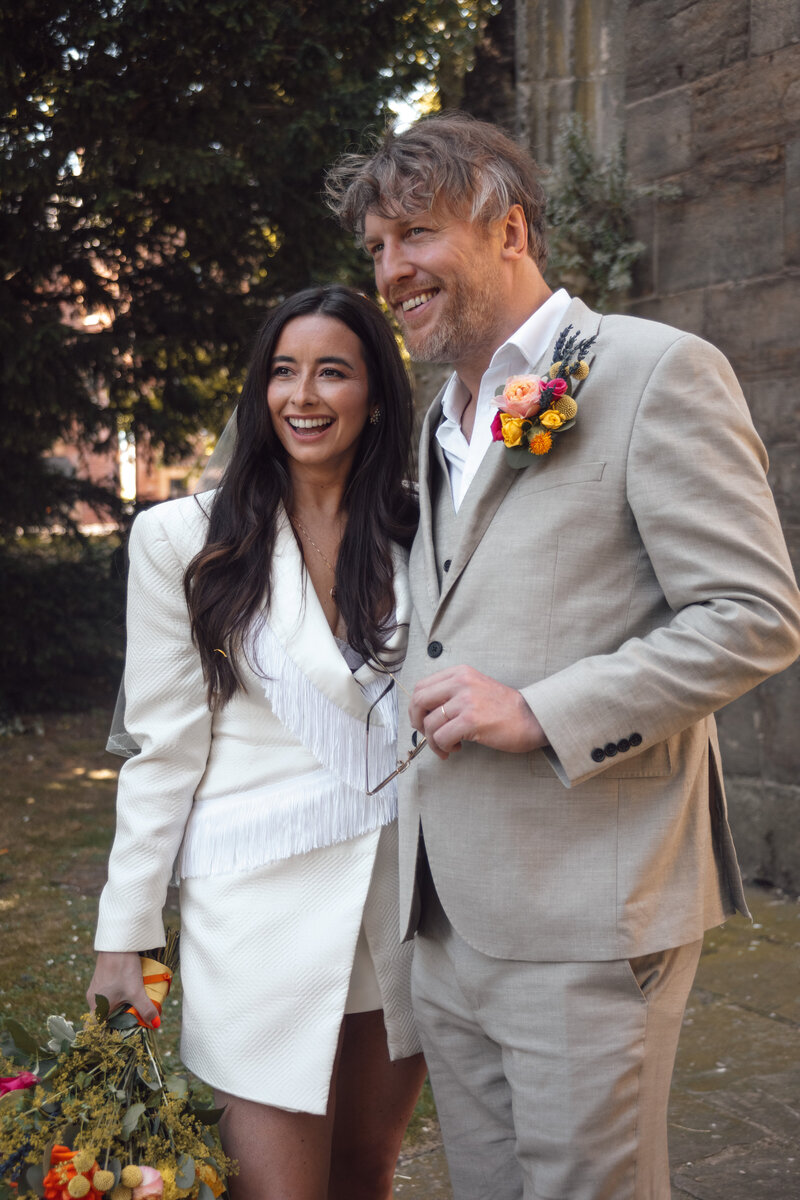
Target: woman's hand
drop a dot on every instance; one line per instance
(118, 977)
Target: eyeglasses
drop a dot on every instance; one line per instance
(401, 763)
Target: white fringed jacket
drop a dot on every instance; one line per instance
(277, 772)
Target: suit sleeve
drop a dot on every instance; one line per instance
(697, 488)
(168, 714)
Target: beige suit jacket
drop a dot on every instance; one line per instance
(629, 584)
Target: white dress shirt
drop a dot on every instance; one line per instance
(517, 356)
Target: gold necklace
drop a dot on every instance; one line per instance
(296, 521)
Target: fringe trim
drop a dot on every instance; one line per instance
(242, 833)
(334, 737)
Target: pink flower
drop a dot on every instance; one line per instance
(15, 1083)
(152, 1185)
(497, 428)
(557, 387)
(521, 397)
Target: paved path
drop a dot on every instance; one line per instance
(735, 1110)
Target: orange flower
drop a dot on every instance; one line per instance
(522, 396)
(541, 442)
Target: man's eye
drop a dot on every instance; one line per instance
(374, 249)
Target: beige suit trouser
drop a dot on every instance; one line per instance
(551, 1079)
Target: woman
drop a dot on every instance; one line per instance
(262, 619)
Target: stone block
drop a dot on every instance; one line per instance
(784, 477)
(791, 219)
(739, 736)
(734, 233)
(670, 42)
(658, 136)
(749, 105)
(765, 819)
(773, 24)
(755, 322)
(779, 707)
(684, 310)
(643, 218)
(773, 406)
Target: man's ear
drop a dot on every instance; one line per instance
(515, 234)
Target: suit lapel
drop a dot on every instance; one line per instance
(297, 620)
(423, 543)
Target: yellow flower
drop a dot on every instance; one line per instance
(556, 367)
(512, 429)
(551, 419)
(566, 406)
(131, 1176)
(210, 1177)
(79, 1186)
(541, 442)
(83, 1161)
(103, 1181)
(580, 371)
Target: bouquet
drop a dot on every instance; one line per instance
(93, 1113)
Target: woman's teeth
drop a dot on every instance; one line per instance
(310, 422)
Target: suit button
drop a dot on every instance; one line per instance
(435, 649)
(624, 745)
(635, 739)
(598, 755)
(610, 749)
(446, 564)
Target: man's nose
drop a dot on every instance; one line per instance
(393, 267)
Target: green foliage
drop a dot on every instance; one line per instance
(162, 168)
(61, 610)
(592, 248)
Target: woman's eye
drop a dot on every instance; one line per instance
(332, 373)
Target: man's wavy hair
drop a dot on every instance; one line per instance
(469, 167)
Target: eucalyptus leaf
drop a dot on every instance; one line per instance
(205, 1192)
(148, 1078)
(123, 1021)
(101, 1007)
(34, 1177)
(21, 1038)
(177, 1085)
(130, 1119)
(185, 1172)
(115, 1166)
(518, 457)
(208, 1116)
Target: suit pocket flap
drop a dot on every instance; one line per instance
(540, 480)
(624, 765)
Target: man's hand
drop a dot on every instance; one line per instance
(461, 705)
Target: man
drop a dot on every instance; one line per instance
(564, 842)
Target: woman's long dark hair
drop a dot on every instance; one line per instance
(228, 581)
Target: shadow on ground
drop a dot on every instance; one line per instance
(735, 1110)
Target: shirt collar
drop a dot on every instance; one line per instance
(523, 348)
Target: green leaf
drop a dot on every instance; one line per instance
(518, 457)
(205, 1192)
(115, 1166)
(35, 1179)
(177, 1085)
(207, 1116)
(185, 1172)
(21, 1038)
(130, 1119)
(123, 1021)
(100, 1007)
(61, 1032)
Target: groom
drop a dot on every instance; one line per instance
(580, 611)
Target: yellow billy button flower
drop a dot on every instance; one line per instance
(83, 1161)
(556, 367)
(131, 1176)
(566, 406)
(580, 371)
(512, 429)
(79, 1186)
(103, 1181)
(551, 419)
(121, 1192)
(541, 442)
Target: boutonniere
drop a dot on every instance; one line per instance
(532, 411)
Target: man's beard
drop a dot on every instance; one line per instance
(467, 321)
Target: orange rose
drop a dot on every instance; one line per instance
(522, 396)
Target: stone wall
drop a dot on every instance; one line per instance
(707, 98)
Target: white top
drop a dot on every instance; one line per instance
(518, 355)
